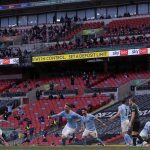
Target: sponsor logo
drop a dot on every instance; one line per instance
(143, 51)
(6, 61)
(15, 61)
(70, 56)
(110, 114)
(116, 53)
(123, 52)
(1, 61)
(134, 51)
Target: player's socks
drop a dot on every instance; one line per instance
(140, 139)
(100, 141)
(84, 141)
(134, 140)
(127, 139)
(63, 142)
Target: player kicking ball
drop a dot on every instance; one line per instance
(88, 125)
(72, 119)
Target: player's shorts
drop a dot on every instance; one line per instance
(89, 133)
(136, 126)
(125, 126)
(1, 131)
(144, 134)
(68, 131)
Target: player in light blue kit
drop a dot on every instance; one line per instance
(145, 132)
(88, 125)
(123, 112)
(72, 118)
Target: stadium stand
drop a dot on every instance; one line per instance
(45, 107)
(6, 84)
(110, 133)
(63, 84)
(114, 127)
(70, 31)
(128, 31)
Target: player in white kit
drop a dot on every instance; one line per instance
(123, 113)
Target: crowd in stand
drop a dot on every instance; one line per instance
(127, 30)
(9, 32)
(10, 52)
(13, 52)
(98, 42)
(117, 35)
(79, 44)
(45, 33)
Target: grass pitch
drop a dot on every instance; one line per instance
(116, 147)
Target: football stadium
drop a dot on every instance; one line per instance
(75, 74)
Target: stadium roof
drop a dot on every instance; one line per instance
(7, 2)
(28, 7)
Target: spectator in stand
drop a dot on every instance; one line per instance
(28, 121)
(127, 14)
(112, 97)
(51, 86)
(20, 111)
(55, 122)
(26, 138)
(44, 133)
(62, 20)
(84, 76)
(19, 119)
(5, 115)
(54, 19)
(51, 96)
(94, 94)
(41, 119)
(31, 132)
(126, 75)
(72, 80)
(87, 82)
(10, 52)
(90, 108)
(10, 108)
(27, 128)
(62, 84)
(61, 96)
(60, 121)
(85, 18)
(38, 94)
(75, 18)
(93, 75)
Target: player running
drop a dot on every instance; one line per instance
(145, 132)
(88, 125)
(135, 122)
(72, 118)
(123, 112)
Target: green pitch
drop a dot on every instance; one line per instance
(76, 148)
